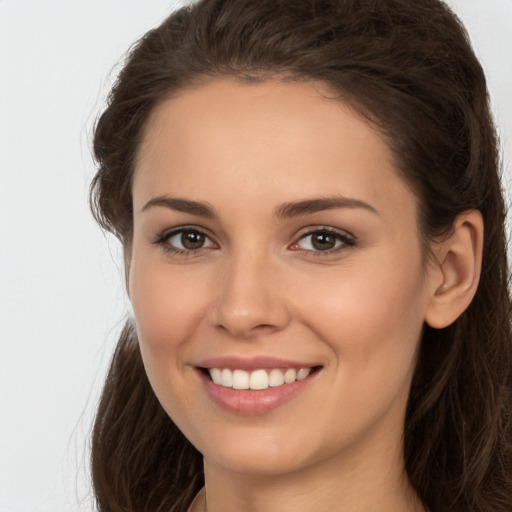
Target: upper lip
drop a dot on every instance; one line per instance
(253, 363)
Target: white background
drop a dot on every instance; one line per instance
(61, 294)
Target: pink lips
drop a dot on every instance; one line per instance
(250, 402)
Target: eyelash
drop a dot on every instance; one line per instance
(343, 240)
(163, 241)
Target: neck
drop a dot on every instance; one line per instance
(348, 484)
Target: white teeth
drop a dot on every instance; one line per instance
(240, 379)
(226, 378)
(216, 376)
(303, 373)
(258, 379)
(276, 378)
(290, 375)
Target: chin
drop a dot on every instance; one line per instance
(261, 452)
(257, 462)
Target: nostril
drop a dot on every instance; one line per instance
(264, 326)
(243, 328)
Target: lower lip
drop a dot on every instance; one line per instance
(251, 402)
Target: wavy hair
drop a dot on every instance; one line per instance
(409, 68)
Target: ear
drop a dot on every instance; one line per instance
(455, 271)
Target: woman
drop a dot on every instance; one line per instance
(308, 198)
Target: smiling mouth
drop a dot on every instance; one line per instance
(257, 380)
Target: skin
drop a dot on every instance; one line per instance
(258, 287)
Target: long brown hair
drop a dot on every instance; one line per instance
(409, 68)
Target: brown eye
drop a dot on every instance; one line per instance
(186, 240)
(324, 240)
(192, 240)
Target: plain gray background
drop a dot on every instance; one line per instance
(61, 293)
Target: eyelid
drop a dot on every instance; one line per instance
(162, 239)
(347, 239)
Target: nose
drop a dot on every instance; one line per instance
(251, 298)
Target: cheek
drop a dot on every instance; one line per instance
(167, 305)
(373, 332)
(372, 319)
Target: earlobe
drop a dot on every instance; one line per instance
(457, 265)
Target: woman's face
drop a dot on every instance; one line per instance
(275, 247)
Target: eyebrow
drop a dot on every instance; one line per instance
(308, 206)
(181, 205)
(284, 211)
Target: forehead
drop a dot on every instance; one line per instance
(278, 139)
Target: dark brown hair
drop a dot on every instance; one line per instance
(408, 67)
